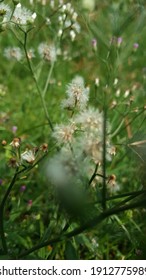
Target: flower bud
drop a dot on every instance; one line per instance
(15, 2)
(4, 142)
(16, 142)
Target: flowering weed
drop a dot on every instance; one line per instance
(73, 129)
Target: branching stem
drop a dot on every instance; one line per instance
(2, 206)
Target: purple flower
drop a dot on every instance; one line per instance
(94, 44)
(1, 181)
(119, 41)
(135, 46)
(22, 188)
(29, 202)
(14, 129)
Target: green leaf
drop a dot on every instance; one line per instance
(70, 251)
(26, 242)
(123, 227)
(2, 128)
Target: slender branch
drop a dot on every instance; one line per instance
(36, 83)
(104, 155)
(44, 21)
(133, 119)
(48, 79)
(13, 10)
(2, 234)
(126, 194)
(130, 196)
(94, 174)
(123, 202)
(117, 129)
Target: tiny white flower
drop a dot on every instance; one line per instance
(16, 142)
(52, 4)
(74, 16)
(127, 92)
(60, 32)
(76, 27)
(115, 81)
(97, 82)
(34, 15)
(110, 151)
(64, 133)
(92, 147)
(18, 5)
(64, 17)
(48, 21)
(118, 92)
(67, 23)
(13, 53)
(90, 120)
(47, 52)
(68, 7)
(64, 8)
(28, 156)
(31, 53)
(5, 11)
(71, 11)
(23, 16)
(60, 19)
(77, 94)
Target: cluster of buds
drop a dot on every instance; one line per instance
(29, 156)
(124, 96)
(68, 20)
(116, 41)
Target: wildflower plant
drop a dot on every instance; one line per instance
(72, 124)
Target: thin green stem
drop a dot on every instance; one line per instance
(117, 129)
(36, 83)
(133, 119)
(12, 11)
(123, 202)
(126, 194)
(48, 79)
(104, 157)
(2, 206)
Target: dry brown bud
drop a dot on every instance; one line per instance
(4, 142)
(112, 179)
(16, 142)
(44, 147)
(12, 163)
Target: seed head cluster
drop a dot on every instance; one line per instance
(80, 139)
